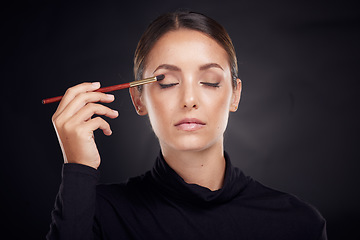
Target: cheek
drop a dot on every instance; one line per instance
(220, 107)
(222, 113)
(158, 109)
(218, 100)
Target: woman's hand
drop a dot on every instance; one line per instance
(74, 126)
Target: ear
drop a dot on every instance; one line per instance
(137, 100)
(236, 96)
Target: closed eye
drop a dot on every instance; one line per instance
(211, 84)
(167, 85)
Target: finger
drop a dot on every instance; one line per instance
(83, 99)
(99, 123)
(72, 92)
(85, 113)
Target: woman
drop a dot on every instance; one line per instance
(193, 191)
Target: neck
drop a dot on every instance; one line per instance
(205, 168)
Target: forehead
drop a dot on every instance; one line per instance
(188, 47)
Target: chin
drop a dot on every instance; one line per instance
(192, 144)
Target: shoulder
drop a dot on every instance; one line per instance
(287, 205)
(130, 190)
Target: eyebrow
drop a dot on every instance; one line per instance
(168, 67)
(177, 69)
(210, 65)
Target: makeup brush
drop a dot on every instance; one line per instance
(114, 88)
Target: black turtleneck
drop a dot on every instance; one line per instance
(161, 205)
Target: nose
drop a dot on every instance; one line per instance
(189, 97)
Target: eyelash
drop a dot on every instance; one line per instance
(167, 85)
(163, 86)
(211, 84)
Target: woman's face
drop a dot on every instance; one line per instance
(189, 109)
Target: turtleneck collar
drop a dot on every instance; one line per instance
(172, 184)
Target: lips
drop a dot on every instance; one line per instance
(190, 124)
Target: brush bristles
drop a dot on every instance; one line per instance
(160, 77)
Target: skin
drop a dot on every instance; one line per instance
(74, 126)
(199, 61)
(188, 110)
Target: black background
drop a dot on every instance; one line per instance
(296, 129)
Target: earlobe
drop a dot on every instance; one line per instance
(136, 98)
(236, 96)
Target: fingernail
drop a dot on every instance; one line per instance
(110, 96)
(96, 84)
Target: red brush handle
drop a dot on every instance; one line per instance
(104, 89)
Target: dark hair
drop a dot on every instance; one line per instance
(177, 20)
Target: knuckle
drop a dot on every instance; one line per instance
(89, 97)
(56, 120)
(101, 121)
(74, 90)
(91, 105)
(97, 108)
(79, 132)
(82, 95)
(70, 91)
(98, 119)
(67, 126)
